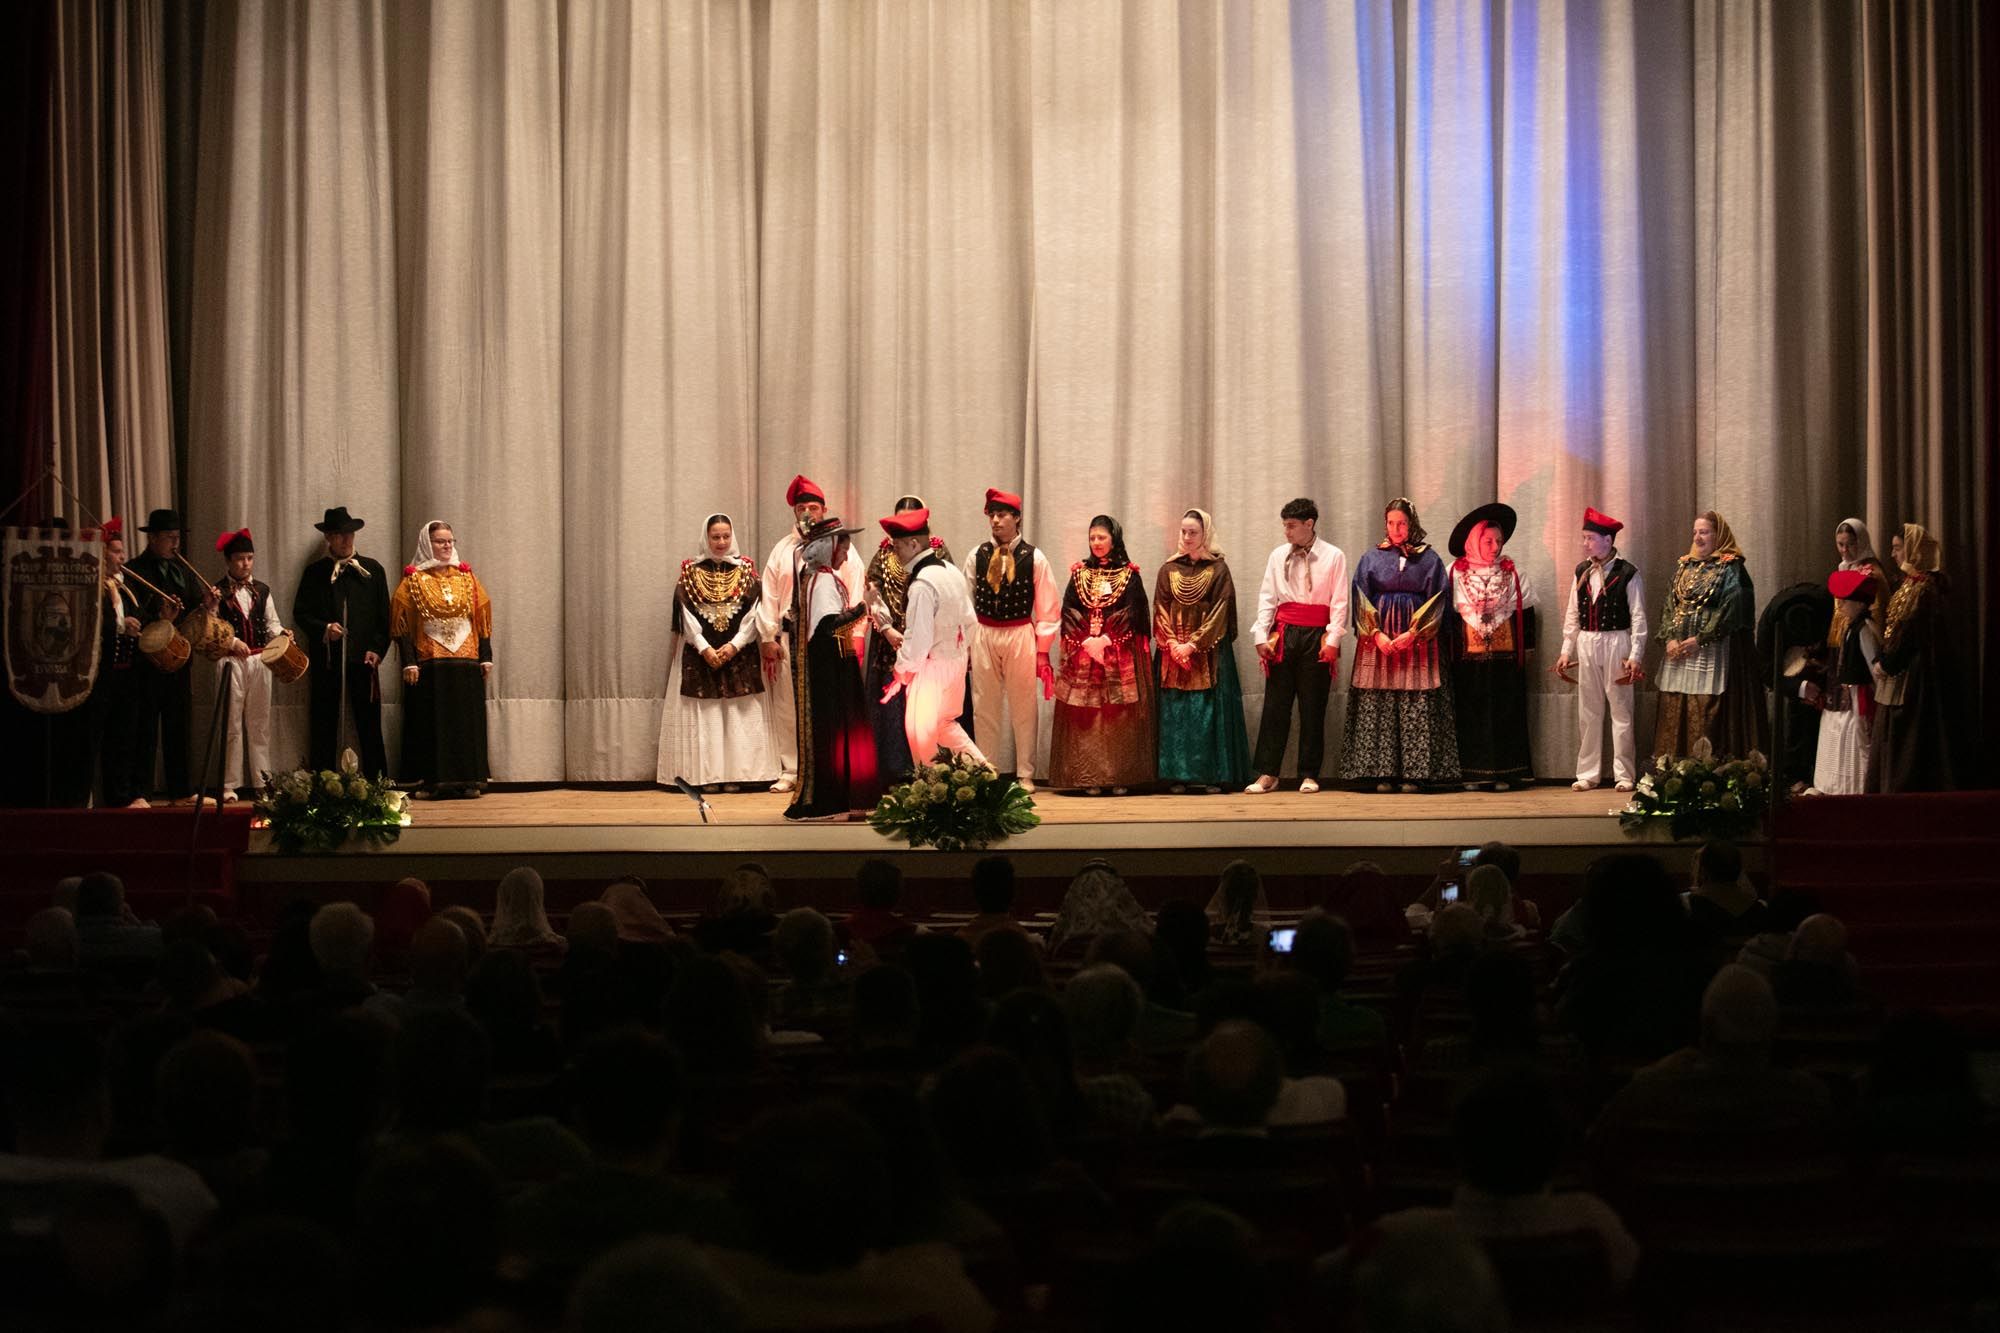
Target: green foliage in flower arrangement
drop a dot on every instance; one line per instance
(954, 805)
(1701, 798)
(317, 812)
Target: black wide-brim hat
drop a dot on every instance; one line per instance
(162, 520)
(338, 520)
(826, 527)
(1501, 516)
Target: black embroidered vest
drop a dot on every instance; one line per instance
(1014, 603)
(251, 631)
(1609, 611)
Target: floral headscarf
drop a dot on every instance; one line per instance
(1725, 540)
(1922, 553)
(637, 918)
(1097, 902)
(1414, 545)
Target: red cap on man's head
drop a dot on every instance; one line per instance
(113, 527)
(909, 523)
(801, 490)
(1851, 585)
(1596, 522)
(999, 499)
(230, 543)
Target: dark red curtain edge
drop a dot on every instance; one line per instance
(25, 68)
(1989, 387)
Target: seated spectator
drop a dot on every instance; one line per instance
(267, 1271)
(925, 1201)
(812, 1183)
(208, 1112)
(1287, 1005)
(1165, 1024)
(639, 922)
(1008, 960)
(342, 939)
(1237, 911)
(195, 987)
(1103, 1005)
(132, 1057)
(952, 1015)
(107, 932)
(1199, 1271)
(1772, 944)
(1418, 1276)
(1509, 1132)
(591, 986)
(1365, 898)
(1501, 915)
(52, 943)
(429, 1230)
(473, 928)
(1032, 1026)
(993, 894)
(1818, 972)
(1633, 993)
(1507, 860)
(439, 963)
(1507, 1027)
(229, 944)
(814, 995)
(886, 1019)
(1232, 1083)
(745, 914)
(1723, 909)
(709, 1018)
(1726, 1085)
(1921, 1096)
(520, 920)
(1322, 952)
(1452, 938)
(443, 1061)
(336, 1102)
(505, 999)
(405, 907)
(190, 923)
(59, 1104)
(1097, 902)
(1181, 931)
(874, 922)
(653, 1284)
(630, 1096)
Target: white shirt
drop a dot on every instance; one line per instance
(1319, 578)
(827, 596)
(1502, 611)
(775, 600)
(1635, 598)
(272, 625)
(1047, 613)
(937, 618)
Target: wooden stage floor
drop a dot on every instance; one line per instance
(662, 830)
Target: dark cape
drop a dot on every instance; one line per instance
(838, 774)
(1911, 743)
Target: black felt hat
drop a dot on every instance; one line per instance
(1501, 516)
(162, 520)
(338, 520)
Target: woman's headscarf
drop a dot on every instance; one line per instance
(1208, 545)
(1097, 902)
(701, 551)
(405, 906)
(1864, 545)
(1414, 545)
(424, 559)
(1725, 540)
(1922, 553)
(1238, 907)
(519, 918)
(638, 920)
(1117, 559)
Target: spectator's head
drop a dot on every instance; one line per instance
(1368, 901)
(747, 888)
(443, 1060)
(208, 1096)
(1032, 1026)
(1820, 939)
(1501, 856)
(66, 893)
(439, 958)
(405, 906)
(1632, 907)
(520, 916)
(1426, 1277)
(593, 929)
(1008, 961)
(1200, 1271)
(1239, 895)
(1490, 894)
(188, 975)
(229, 943)
(1456, 930)
(878, 884)
(100, 894)
(813, 1186)
(472, 928)
(1181, 929)
(885, 1009)
(1718, 863)
(429, 1231)
(710, 1019)
(1323, 950)
(987, 1115)
(653, 1285)
(947, 991)
(57, 1095)
(342, 937)
(804, 945)
(52, 940)
(336, 1079)
(191, 923)
(638, 920)
(503, 995)
(1500, 997)
(1287, 1005)
(1508, 1131)
(1739, 1014)
(630, 1093)
(993, 885)
(1234, 1075)
(1130, 952)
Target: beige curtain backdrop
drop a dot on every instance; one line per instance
(576, 274)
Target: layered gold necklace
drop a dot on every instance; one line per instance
(1190, 589)
(713, 593)
(1099, 590)
(443, 594)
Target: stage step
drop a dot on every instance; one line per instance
(1905, 904)
(1913, 819)
(1894, 942)
(1934, 985)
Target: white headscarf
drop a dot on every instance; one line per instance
(1864, 545)
(424, 559)
(701, 551)
(519, 918)
(1208, 544)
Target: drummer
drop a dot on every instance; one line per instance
(166, 698)
(243, 686)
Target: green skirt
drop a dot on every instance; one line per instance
(1202, 738)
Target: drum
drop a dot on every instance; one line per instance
(163, 645)
(285, 658)
(210, 635)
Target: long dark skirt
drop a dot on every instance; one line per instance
(1202, 737)
(444, 724)
(1492, 709)
(1910, 743)
(838, 772)
(1400, 736)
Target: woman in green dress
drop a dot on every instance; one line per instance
(1203, 741)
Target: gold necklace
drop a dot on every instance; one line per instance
(1189, 589)
(714, 593)
(1100, 590)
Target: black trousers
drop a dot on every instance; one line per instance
(1303, 679)
(166, 710)
(364, 705)
(126, 759)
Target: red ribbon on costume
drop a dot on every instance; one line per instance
(1316, 614)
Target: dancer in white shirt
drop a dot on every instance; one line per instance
(1604, 636)
(1301, 611)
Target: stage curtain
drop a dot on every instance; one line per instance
(575, 275)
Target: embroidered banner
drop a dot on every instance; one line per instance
(52, 599)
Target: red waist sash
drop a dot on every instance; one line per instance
(1316, 614)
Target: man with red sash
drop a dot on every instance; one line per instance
(1301, 609)
(1604, 636)
(1019, 608)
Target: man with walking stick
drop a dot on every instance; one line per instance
(342, 613)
